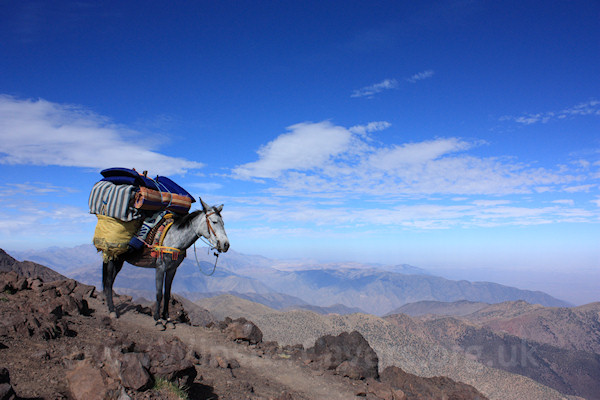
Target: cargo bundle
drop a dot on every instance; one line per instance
(128, 204)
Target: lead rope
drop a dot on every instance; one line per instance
(198, 262)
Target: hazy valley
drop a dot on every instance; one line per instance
(373, 289)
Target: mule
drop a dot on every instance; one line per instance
(184, 232)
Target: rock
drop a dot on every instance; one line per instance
(40, 312)
(171, 360)
(384, 391)
(35, 283)
(416, 387)
(130, 368)
(42, 355)
(270, 348)
(399, 394)
(349, 352)
(133, 374)
(123, 395)
(8, 282)
(218, 361)
(350, 370)
(86, 382)
(244, 330)
(6, 390)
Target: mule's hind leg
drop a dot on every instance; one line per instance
(110, 270)
(169, 275)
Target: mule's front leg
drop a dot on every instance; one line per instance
(160, 277)
(170, 274)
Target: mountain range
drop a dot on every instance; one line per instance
(280, 284)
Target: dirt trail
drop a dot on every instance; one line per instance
(268, 377)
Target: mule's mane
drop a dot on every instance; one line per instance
(187, 219)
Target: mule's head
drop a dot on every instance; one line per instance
(216, 227)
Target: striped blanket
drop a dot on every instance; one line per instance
(114, 201)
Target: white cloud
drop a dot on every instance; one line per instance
(591, 107)
(420, 76)
(580, 188)
(568, 202)
(332, 177)
(400, 156)
(490, 203)
(39, 132)
(368, 91)
(306, 146)
(331, 161)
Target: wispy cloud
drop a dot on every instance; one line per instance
(306, 215)
(370, 127)
(34, 188)
(39, 132)
(420, 76)
(387, 84)
(26, 221)
(568, 202)
(369, 91)
(591, 107)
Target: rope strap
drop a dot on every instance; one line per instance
(160, 251)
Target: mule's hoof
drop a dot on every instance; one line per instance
(113, 315)
(170, 324)
(160, 325)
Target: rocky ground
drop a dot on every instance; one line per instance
(58, 342)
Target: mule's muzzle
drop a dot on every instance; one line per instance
(222, 246)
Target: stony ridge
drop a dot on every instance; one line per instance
(395, 344)
(28, 269)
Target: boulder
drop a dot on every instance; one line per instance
(170, 359)
(86, 382)
(131, 369)
(440, 387)
(8, 282)
(243, 330)
(133, 374)
(349, 354)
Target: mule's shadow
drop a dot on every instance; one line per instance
(198, 391)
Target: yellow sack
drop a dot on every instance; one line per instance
(112, 236)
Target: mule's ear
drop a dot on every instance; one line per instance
(204, 205)
(219, 208)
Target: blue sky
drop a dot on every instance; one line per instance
(451, 135)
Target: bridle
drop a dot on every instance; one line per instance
(211, 232)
